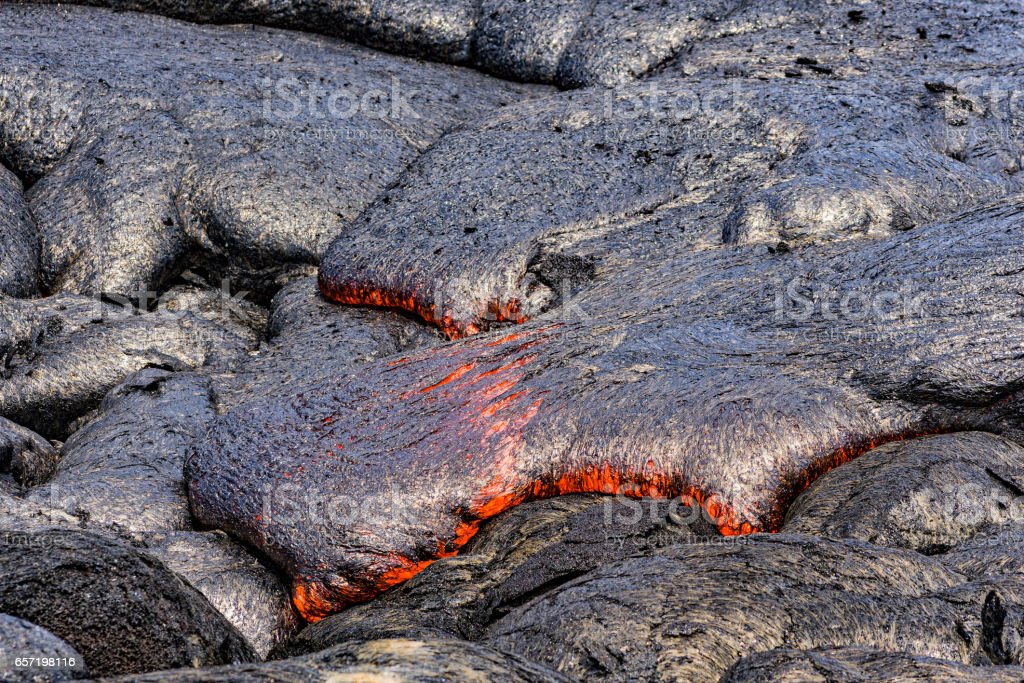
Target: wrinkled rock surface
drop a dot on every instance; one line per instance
(122, 610)
(690, 612)
(152, 144)
(19, 638)
(927, 495)
(124, 468)
(601, 42)
(519, 555)
(29, 458)
(415, 661)
(497, 223)
(250, 595)
(19, 241)
(62, 354)
(858, 664)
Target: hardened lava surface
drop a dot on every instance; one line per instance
(575, 43)
(689, 376)
(150, 143)
(321, 362)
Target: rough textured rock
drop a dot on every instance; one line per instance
(19, 241)
(925, 494)
(19, 638)
(249, 595)
(992, 553)
(498, 223)
(577, 42)
(698, 374)
(124, 468)
(415, 661)
(125, 612)
(62, 354)
(310, 337)
(690, 612)
(279, 141)
(856, 665)
(28, 457)
(522, 553)
(20, 515)
(834, 40)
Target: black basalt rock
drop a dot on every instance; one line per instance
(95, 592)
(20, 639)
(928, 495)
(860, 664)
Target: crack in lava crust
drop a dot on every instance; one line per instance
(684, 379)
(356, 294)
(315, 601)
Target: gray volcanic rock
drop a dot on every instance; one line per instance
(249, 595)
(690, 612)
(924, 494)
(522, 553)
(435, 29)
(310, 337)
(856, 665)
(989, 554)
(62, 354)
(575, 43)
(30, 458)
(502, 221)
(412, 661)
(700, 374)
(19, 515)
(833, 39)
(19, 241)
(19, 638)
(124, 468)
(124, 611)
(148, 139)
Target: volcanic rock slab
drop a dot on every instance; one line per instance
(924, 494)
(500, 222)
(19, 241)
(690, 612)
(123, 468)
(519, 555)
(415, 661)
(997, 552)
(147, 140)
(125, 612)
(587, 42)
(29, 458)
(19, 639)
(249, 595)
(62, 354)
(860, 664)
(700, 374)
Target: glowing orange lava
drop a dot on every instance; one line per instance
(354, 294)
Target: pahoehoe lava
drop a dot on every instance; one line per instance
(512, 340)
(715, 387)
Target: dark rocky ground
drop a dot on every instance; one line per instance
(512, 341)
